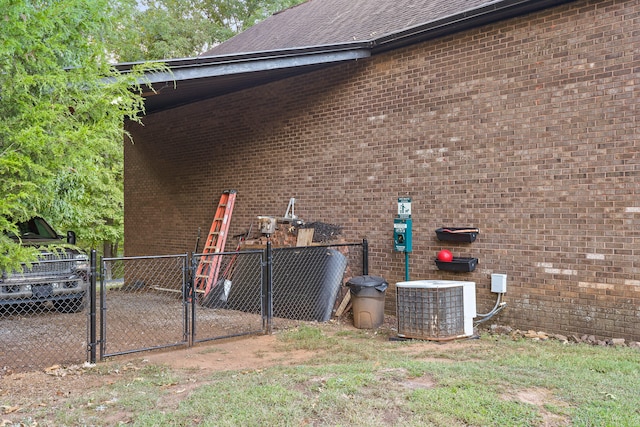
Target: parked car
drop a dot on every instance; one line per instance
(59, 277)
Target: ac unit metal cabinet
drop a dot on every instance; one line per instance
(435, 309)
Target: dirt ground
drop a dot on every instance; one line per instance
(260, 351)
(59, 382)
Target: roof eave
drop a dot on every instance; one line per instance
(189, 80)
(212, 66)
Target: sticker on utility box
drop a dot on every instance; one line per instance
(404, 207)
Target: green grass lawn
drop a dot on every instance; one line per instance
(358, 378)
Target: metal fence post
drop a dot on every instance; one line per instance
(103, 307)
(267, 289)
(192, 295)
(186, 290)
(365, 257)
(92, 308)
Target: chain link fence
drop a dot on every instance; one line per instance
(309, 282)
(133, 304)
(43, 316)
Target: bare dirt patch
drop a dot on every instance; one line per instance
(541, 397)
(235, 354)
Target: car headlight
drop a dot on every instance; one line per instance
(81, 257)
(82, 261)
(81, 266)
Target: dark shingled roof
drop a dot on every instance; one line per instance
(327, 22)
(316, 35)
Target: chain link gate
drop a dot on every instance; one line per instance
(154, 302)
(143, 303)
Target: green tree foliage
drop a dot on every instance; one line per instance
(163, 29)
(63, 103)
(62, 107)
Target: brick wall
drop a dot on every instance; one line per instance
(526, 129)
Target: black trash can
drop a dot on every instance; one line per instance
(367, 294)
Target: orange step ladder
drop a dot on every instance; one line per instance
(209, 266)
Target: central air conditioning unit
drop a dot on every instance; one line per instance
(436, 310)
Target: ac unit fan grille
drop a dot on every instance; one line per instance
(426, 313)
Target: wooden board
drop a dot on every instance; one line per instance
(343, 304)
(305, 237)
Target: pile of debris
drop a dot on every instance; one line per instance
(323, 232)
(543, 336)
(291, 234)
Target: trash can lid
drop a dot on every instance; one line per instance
(358, 282)
(368, 281)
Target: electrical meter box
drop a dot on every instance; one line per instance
(402, 240)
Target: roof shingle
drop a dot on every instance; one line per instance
(327, 22)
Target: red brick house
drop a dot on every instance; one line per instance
(518, 117)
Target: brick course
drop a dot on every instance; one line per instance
(526, 129)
